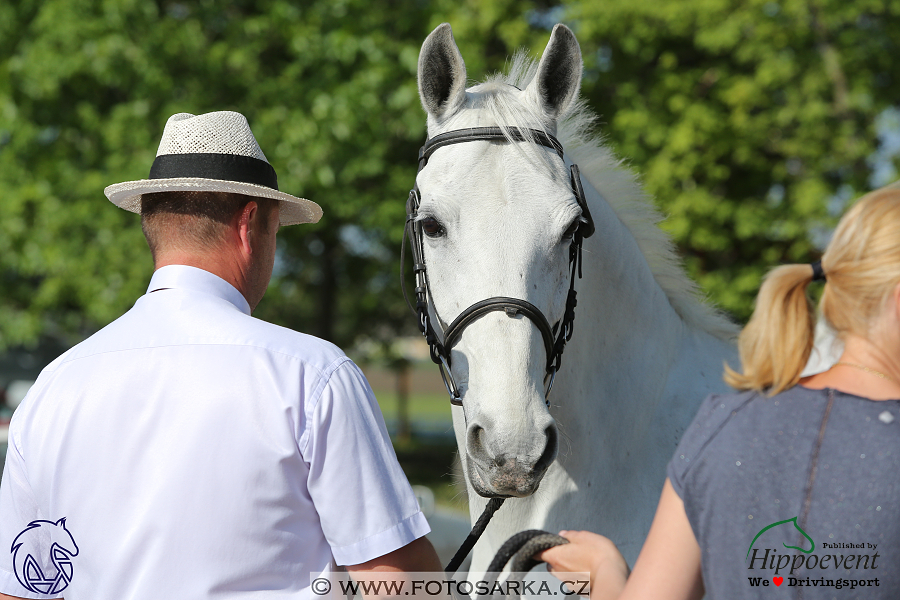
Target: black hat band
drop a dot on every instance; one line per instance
(224, 167)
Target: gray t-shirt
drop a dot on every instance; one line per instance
(799, 492)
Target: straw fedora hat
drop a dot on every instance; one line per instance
(214, 152)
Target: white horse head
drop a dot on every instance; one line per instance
(498, 221)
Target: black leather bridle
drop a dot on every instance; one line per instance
(555, 337)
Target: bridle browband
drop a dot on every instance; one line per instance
(554, 337)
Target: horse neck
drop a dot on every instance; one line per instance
(628, 343)
(626, 306)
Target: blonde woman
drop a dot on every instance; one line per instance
(790, 483)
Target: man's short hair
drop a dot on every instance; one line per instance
(194, 221)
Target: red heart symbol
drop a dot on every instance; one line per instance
(778, 580)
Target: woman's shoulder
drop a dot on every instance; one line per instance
(712, 417)
(719, 410)
(726, 422)
(731, 418)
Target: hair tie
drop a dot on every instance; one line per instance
(818, 273)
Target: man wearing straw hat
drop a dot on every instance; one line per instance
(188, 450)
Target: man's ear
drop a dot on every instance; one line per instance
(246, 224)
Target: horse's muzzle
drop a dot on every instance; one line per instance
(506, 474)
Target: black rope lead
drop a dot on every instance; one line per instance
(524, 559)
(525, 543)
(521, 548)
(480, 525)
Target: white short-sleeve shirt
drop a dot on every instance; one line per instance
(188, 450)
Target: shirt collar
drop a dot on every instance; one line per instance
(192, 278)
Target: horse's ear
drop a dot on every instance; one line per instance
(559, 73)
(442, 73)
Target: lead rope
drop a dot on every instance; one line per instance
(520, 548)
(480, 525)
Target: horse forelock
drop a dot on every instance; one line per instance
(499, 97)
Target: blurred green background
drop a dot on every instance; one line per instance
(753, 124)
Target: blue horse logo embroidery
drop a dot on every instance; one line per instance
(44, 545)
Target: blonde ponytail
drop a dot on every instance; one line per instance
(862, 265)
(776, 343)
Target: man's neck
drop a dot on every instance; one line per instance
(220, 265)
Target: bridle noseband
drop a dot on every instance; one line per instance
(555, 337)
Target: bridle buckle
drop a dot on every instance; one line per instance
(449, 382)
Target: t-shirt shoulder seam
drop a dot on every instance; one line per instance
(718, 430)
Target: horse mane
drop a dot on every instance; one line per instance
(615, 181)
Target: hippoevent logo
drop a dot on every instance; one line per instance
(806, 567)
(29, 562)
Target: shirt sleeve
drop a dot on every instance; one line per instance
(365, 503)
(711, 417)
(18, 508)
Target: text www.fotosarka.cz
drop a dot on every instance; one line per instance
(439, 585)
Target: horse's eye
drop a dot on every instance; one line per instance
(570, 231)
(432, 227)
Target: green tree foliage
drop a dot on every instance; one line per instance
(743, 117)
(751, 121)
(86, 87)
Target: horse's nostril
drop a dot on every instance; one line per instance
(500, 460)
(474, 441)
(549, 450)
